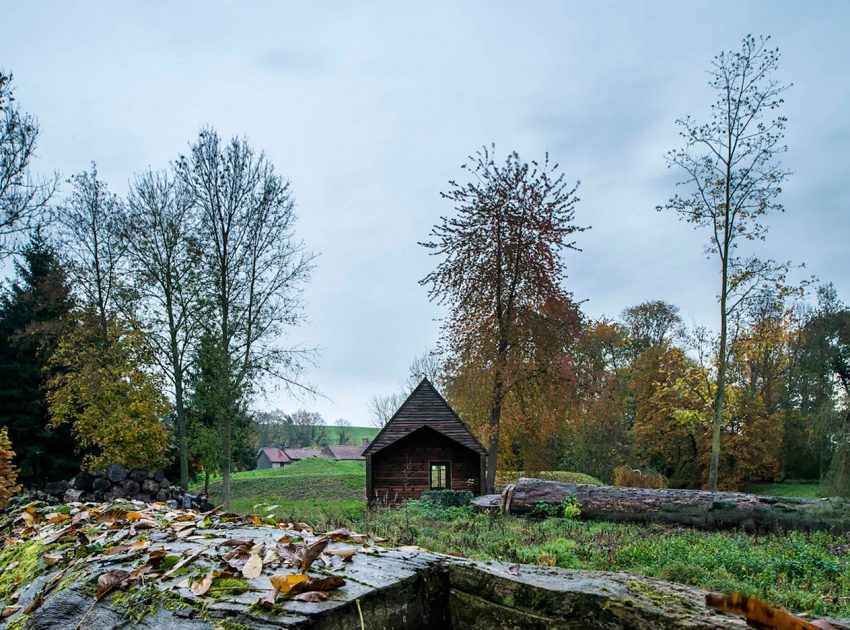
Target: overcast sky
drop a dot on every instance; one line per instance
(370, 108)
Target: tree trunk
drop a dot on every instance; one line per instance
(692, 508)
(720, 394)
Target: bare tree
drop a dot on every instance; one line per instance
(734, 179)
(253, 266)
(343, 430)
(90, 222)
(160, 235)
(382, 408)
(23, 199)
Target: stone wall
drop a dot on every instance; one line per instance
(117, 482)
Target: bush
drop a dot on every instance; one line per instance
(448, 498)
(504, 477)
(626, 476)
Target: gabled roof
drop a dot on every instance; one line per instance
(425, 407)
(302, 453)
(275, 455)
(345, 451)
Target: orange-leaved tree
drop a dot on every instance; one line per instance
(8, 470)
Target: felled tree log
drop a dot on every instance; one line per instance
(693, 508)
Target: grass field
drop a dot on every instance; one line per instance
(315, 490)
(357, 434)
(804, 572)
(809, 489)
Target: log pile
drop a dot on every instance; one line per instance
(693, 508)
(117, 482)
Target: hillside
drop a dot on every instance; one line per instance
(357, 434)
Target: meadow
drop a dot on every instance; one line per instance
(805, 572)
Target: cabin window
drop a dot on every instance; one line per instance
(440, 475)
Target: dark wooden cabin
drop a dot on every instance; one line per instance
(424, 446)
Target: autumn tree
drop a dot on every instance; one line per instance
(734, 177)
(23, 197)
(650, 323)
(34, 313)
(252, 269)
(104, 389)
(159, 233)
(8, 471)
(501, 262)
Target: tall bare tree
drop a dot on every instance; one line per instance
(253, 265)
(160, 234)
(23, 198)
(501, 264)
(90, 223)
(734, 178)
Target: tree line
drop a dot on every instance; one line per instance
(139, 328)
(544, 386)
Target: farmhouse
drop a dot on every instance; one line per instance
(424, 446)
(270, 457)
(344, 452)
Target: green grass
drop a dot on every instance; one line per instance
(806, 572)
(356, 434)
(318, 491)
(805, 489)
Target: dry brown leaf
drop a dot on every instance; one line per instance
(202, 586)
(253, 567)
(344, 554)
(271, 557)
(256, 520)
(145, 523)
(110, 580)
(8, 611)
(330, 583)
(186, 532)
(514, 569)
(309, 554)
(311, 596)
(51, 559)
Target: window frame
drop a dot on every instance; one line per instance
(448, 476)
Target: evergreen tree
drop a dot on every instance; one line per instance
(33, 315)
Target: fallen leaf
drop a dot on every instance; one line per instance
(411, 548)
(311, 596)
(8, 611)
(202, 586)
(51, 559)
(133, 516)
(282, 584)
(514, 569)
(108, 581)
(253, 567)
(344, 554)
(309, 554)
(330, 583)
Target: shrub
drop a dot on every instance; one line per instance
(626, 476)
(504, 477)
(448, 498)
(541, 510)
(8, 471)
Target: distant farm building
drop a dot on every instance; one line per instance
(424, 446)
(344, 452)
(270, 457)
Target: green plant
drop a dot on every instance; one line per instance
(569, 506)
(541, 510)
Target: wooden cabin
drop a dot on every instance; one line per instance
(424, 446)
